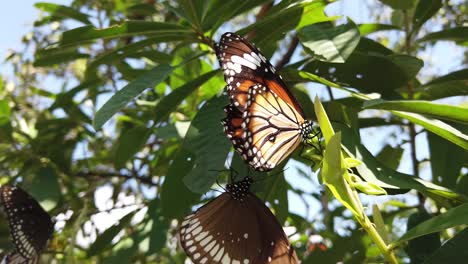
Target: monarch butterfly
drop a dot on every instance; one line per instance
(264, 120)
(30, 225)
(236, 227)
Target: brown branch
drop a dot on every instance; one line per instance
(104, 175)
(261, 14)
(287, 56)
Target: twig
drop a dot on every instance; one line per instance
(104, 174)
(287, 57)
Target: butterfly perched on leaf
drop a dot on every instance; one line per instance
(264, 122)
(30, 225)
(236, 227)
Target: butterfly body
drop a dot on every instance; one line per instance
(264, 120)
(236, 227)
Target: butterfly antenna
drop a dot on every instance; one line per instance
(220, 186)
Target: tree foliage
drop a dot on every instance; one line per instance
(114, 111)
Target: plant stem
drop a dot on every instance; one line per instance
(378, 240)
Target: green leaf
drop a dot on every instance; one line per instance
(453, 217)
(453, 251)
(104, 240)
(332, 173)
(441, 111)
(372, 171)
(129, 143)
(147, 80)
(453, 34)
(56, 56)
(45, 188)
(283, 18)
(130, 50)
(437, 127)
(206, 141)
(370, 46)
(220, 11)
(409, 64)
(452, 84)
(170, 102)
(198, 161)
(365, 29)
(424, 11)
(390, 156)
(420, 248)
(63, 12)
(159, 227)
(176, 198)
(5, 112)
(331, 44)
(278, 198)
(193, 11)
(366, 72)
(400, 4)
(129, 28)
(446, 160)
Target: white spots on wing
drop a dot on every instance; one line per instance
(197, 230)
(233, 66)
(201, 235)
(242, 61)
(272, 243)
(210, 246)
(214, 250)
(189, 243)
(235, 261)
(226, 259)
(252, 59)
(194, 224)
(219, 255)
(196, 255)
(246, 235)
(192, 249)
(203, 260)
(269, 259)
(206, 240)
(246, 261)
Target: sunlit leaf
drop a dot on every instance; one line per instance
(130, 91)
(331, 44)
(453, 217)
(442, 111)
(454, 34)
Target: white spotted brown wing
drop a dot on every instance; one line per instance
(30, 225)
(245, 66)
(237, 231)
(16, 258)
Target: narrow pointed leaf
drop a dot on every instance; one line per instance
(147, 80)
(449, 112)
(453, 217)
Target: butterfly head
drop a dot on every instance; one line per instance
(238, 190)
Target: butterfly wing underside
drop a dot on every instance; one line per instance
(229, 231)
(264, 120)
(16, 258)
(30, 225)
